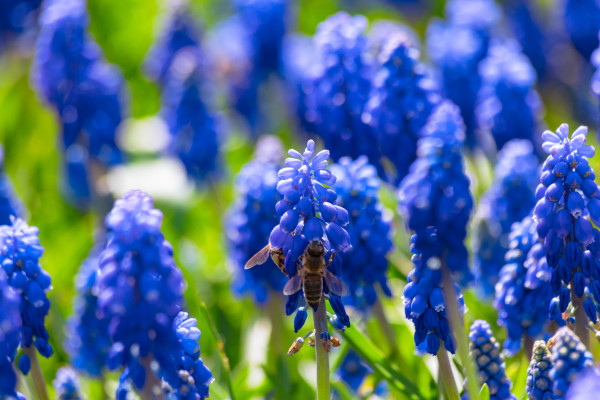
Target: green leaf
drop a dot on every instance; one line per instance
(484, 393)
(375, 358)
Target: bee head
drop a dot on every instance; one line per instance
(315, 249)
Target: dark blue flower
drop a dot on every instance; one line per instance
(10, 326)
(508, 106)
(66, 384)
(523, 294)
(353, 370)
(582, 21)
(88, 343)
(490, 363)
(400, 102)
(250, 221)
(509, 199)
(20, 251)
(139, 290)
(308, 213)
(585, 385)
(539, 381)
(566, 207)
(435, 200)
(17, 17)
(370, 230)
(9, 203)
(569, 359)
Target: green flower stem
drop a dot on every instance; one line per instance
(386, 327)
(581, 318)
(36, 374)
(447, 375)
(320, 320)
(458, 328)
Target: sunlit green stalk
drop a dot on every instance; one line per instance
(447, 375)
(386, 327)
(320, 320)
(36, 374)
(457, 326)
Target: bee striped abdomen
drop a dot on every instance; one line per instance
(313, 289)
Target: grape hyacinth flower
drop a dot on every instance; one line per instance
(88, 343)
(140, 292)
(523, 294)
(586, 383)
(20, 252)
(509, 106)
(353, 370)
(582, 21)
(195, 130)
(250, 221)
(566, 207)
(569, 359)
(400, 102)
(595, 60)
(17, 18)
(9, 203)
(69, 72)
(539, 381)
(10, 327)
(66, 384)
(490, 363)
(435, 200)
(337, 90)
(480, 15)
(509, 199)
(370, 230)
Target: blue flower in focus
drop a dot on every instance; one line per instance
(10, 204)
(490, 363)
(566, 207)
(539, 382)
(250, 221)
(435, 200)
(569, 359)
(401, 100)
(70, 73)
(337, 89)
(522, 293)
(20, 252)
(195, 130)
(586, 383)
(509, 199)
(88, 343)
(10, 326)
(308, 213)
(582, 21)
(66, 384)
(370, 230)
(353, 370)
(16, 17)
(509, 107)
(140, 290)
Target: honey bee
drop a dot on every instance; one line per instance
(263, 255)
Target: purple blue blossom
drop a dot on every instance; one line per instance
(67, 385)
(569, 359)
(595, 60)
(582, 21)
(17, 17)
(10, 328)
(20, 252)
(509, 199)
(585, 385)
(353, 370)
(370, 230)
(10, 205)
(539, 381)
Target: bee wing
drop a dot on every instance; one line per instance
(259, 258)
(335, 286)
(293, 285)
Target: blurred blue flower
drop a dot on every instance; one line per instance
(353, 370)
(585, 385)
(479, 15)
(140, 290)
(251, 219)
(370, 230)
(539, 382)
(88, 94)
(16, 17)
(522, 293)
(490, 363)
(595, 60)
(66, 384)
(10, 326)
(569, 359)
(88, 343)
(10, 205)
(308, 213)
(20, 251)
(508, 105)
(400, 101)
(566, 207)
(195, 130)
(435, 200)
(582, 21)
(509, 199)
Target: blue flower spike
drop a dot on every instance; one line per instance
(67, 385)
(10, 327)
(569, 359)
(10, 205)
(585, 385)
(566, 207)
(490, 363)
(539, 381)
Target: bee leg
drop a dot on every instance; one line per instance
(331, 258)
